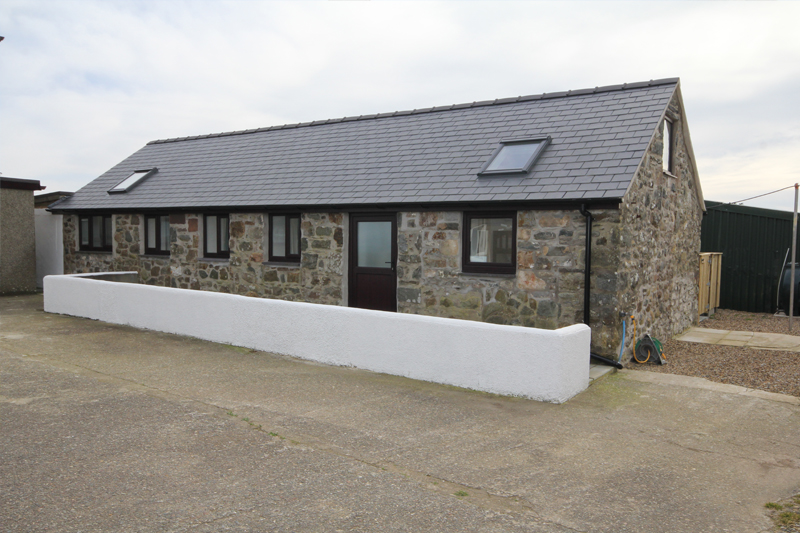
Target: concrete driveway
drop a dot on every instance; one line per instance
(108, 428)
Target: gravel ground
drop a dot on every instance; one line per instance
(741, 321)
(767, 370)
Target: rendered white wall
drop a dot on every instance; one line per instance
(544, 365)
(49, 245)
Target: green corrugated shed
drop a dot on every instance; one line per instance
(753, 242)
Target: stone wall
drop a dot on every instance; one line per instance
(247, 254)
(127, 252)
(77, 262)
(547, 290)
(127, 241)
(323, 258)
(318, 278)
(660, 240)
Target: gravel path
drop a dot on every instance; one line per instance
(767, 370)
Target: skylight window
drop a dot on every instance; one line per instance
(515, 157)
(132, 181)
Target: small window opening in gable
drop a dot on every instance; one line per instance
(136, 177)
(515, 157)
(666, 155)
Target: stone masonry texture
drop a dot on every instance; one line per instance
(659, 240)
(644, 259)
(317, 278)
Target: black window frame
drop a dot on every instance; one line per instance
(541, 144)
(668, 144)
(155, 250)
(219, 254)
(287, 258)
(107, 238)
(468, 266)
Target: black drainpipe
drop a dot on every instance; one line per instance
(587, 283)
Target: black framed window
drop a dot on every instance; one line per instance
(216, 236)
(490, 243)
(95, 233)
(284, 237)
(666, 155)
(156, 234)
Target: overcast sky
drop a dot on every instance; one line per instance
(84, 84)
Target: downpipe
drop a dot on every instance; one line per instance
(587, 280)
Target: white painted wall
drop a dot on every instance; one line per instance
(49, 244)
(545, 365)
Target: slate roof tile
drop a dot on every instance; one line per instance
(598, 137)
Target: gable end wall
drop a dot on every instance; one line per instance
(660, 240)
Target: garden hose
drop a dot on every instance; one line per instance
(646, 347)
(639, 349)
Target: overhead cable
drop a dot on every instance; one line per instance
(746, 199)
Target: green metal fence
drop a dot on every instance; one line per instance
(753, 243)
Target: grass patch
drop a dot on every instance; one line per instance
(239, 349)
(461, 493)
(789, 518)
(785, 513)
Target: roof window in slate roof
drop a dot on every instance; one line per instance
(132, 181)
(515, 157)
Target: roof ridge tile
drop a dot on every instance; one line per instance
(436, 109)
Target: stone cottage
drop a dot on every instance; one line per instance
(476, 211)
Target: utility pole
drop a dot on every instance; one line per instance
(794, 257)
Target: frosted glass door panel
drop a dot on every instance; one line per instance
(375, 244)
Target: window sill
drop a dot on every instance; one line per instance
(495, 275)
(101, 252)
(669, 174)
(155, 256)
(287, 264)
(225, 260)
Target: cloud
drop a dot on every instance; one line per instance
(85, 83)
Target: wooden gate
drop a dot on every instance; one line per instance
(710, 268)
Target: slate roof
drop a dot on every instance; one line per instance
(425, 156)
